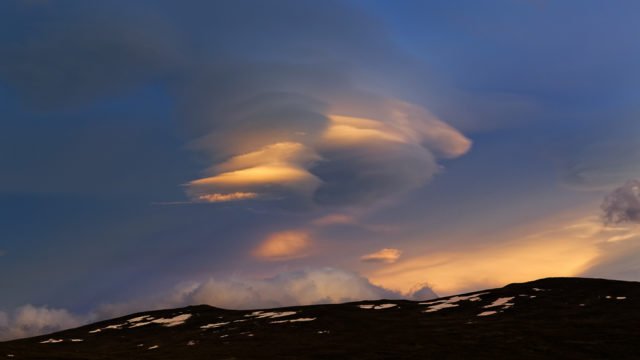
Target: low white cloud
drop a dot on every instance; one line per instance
(305, 287)
(325, 285)
(29, 320)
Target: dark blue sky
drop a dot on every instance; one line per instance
(156, 153)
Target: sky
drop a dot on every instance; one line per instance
(248, 154)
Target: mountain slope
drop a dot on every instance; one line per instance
(563, 318)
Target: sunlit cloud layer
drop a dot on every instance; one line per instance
(346, 161)
(386, 255)
(284, 245)
(567, 249)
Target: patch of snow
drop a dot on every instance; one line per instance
(608, 297)
(153, 347)
(433, 302)
(377, 307)
(167, 322)
(471, 297)
(538, 289)
(451, 302)
(174, 321)
(532, 296)
(292, 320)
(191, 343)
(581, 305)
(621, 297)
(438, 307)
(487, 313)
(500, 302)
(271, 314)
(457, 298)
(385, 306)
(302, 319)
(138, 324)
(140, 318)
(114, 327)
(76, 340)
(95, 331)
(51, 341)
(223, 336)
(323, 331)
(213, 326)
(10, 355)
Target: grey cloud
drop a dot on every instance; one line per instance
(424, 292)
(622, 205)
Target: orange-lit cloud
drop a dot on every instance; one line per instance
(395, 121)
(343, 159)
(386, 255)
(261, 172)
(334, 219)
(284, 245)
(282, 153)
(567, 250)
(259, 175)
(346, 130)
(235, 196)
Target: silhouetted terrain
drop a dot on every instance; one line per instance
(555, 318)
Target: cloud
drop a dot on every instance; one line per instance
(316, 286)
(295, 122)
(305, 287)
(234, 196)
(334, 219)
(567, 248)
(423, 292)
(386, 255)
(296, 138)
(284, 245)
(273, 171)
(375, 150)
(29, 320)
(622, 205)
